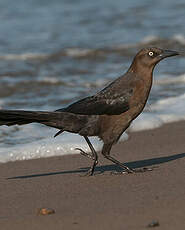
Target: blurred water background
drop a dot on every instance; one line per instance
(55, 52)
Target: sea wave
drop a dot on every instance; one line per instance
(176, 41)
(164, 111)
(28, 142)
(170, 79)
(23, 57)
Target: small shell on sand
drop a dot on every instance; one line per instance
(153, 224)
(45, 211)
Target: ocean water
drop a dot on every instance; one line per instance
(53, 53)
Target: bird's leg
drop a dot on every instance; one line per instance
(92, 156)
(106, 153)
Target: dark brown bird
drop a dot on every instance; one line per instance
(107, 114)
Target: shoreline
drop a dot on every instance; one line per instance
(104, 201)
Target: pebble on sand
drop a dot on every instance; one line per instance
(45, 211)
(153, 224)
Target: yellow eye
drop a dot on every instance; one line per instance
(150, 53)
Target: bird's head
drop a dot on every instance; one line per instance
(147, 58)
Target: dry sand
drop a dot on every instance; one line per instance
(104, 201)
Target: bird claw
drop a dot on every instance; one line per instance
(140, 170)
(87, 174)
(117, 173)
(92, 156)
(83, 153)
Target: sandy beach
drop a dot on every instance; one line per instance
(103, 201)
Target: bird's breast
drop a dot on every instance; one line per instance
(114, 125)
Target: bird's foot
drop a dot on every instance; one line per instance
(88, 155)
(129, 171)
(141, 170)
(88, 173)
(125, 171)
(92, 157)
(117, 173)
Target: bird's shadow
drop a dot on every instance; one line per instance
(107, 168)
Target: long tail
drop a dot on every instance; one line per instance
(60, 120)
(19, 117)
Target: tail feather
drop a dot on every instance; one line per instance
(60, 120)
(19, 117)
(15, 122)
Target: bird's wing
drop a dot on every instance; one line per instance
(103, 103)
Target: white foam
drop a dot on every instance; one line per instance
(49, 79)
(62, 145)
(179, 38)
(170, 109)
(77, 52)
(48, 147)
(150, 38)
(163, 111)
(23, 57)
(165, 80)
(146, 121)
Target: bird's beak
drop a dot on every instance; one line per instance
(168, 53)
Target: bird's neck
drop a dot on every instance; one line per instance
(141, 70)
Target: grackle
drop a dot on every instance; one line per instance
(107, 114)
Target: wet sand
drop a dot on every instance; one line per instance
(104, 201)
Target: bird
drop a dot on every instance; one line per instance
(106, 114)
